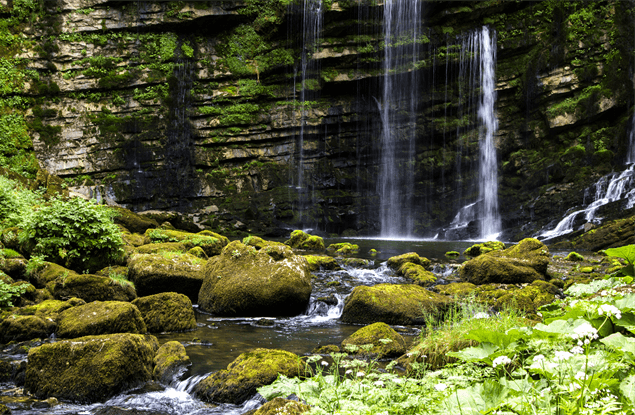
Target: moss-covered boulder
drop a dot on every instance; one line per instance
(278, 406)
(166, 312)
(198, 252)
(529, 298)
(611, 234)
(452, 254)
(386, 342)
(170, 362)
(343, 249)
(90, 369)
(457, 289)
(155, 273)
(100, 317)
(483, 248)
(391, 304)
(302, 240)
(89, 288)
(211, 243)
(417, 273)
(321, 263)
(50, 272)
(133, 222)
(396, 262)
(51, 308)
(244, 375)
(244, 281)
(574, 256)
(13, 267)
(522, 263)
(155, 248)
(355, 262)
(19, 328)
(259, 243)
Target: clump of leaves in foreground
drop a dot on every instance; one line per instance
(580, 360)
(76, 233)
(15, 201)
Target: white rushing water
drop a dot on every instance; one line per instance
(478, 67)
(488, 171)
(610, 188)
(398, 117)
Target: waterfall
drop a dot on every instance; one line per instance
(630, 153)
(481, 218)
(488, 176)
(398, 117)
(309, 73)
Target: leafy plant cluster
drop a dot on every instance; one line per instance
(579, 360)
(77, 233)
(10, 291)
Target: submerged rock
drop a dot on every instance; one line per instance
(90, 369)
(522, 263)
(244, 375)
(385, 341)
(392, 304)
(100, 317)
(243, 281)
(156, 273)
(302, 240)
(170, 362)
(166, 312)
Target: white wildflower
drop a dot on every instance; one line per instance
(610, 311)
(562, 355)
(539, 358)
(349, 371)
(323, 363)
(577, 350)
(481, 315)
(440, 387)
(585, 332)
(360, 374)
(378, 383)
(580, 376)
(501, 360)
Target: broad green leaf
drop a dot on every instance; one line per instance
(627, 387)
(479, 399)
(627, 321)
(478, 353)
(627, 252)
(620, 342)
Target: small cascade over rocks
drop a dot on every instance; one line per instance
(613, 187)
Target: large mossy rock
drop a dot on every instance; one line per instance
(342, 249)
(19, 328)
(417, 273)
(522, 263)
(170, 362)
(90, 369)
(100, 317)
(529, 298)
(248, 372)
(302, 240)
(392, 304)
(398, 261)
(89, 288)
(243, 281)
(483, 248)
(211, 243)
(156, 248)
(133, 222)
(155, 273)
(322, 263)
(611, 234)
(166, 312)
(49, 273)
(386, 342)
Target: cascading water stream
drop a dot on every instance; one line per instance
(309, 72)
(477, 66)
(398, 117)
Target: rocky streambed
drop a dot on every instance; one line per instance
(87, 349)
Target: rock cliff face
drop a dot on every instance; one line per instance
(203, 107)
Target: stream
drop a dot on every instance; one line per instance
(217, 341)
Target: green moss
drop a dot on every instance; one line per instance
(574, 256)
(100, 317)
(302, 240)
(321, 263)
(171, 358)
(166, 312)
(385, 341)
(396, 262)
(211, 243)
(478, 249)
(343, 249)
(417, 273)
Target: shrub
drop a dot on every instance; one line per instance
(8, 292)
(75, 233)
(15, 202)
